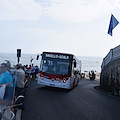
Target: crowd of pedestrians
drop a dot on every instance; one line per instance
(31, 71)
(15, 81)
(92, 75)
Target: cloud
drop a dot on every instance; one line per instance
(81, 10)
(20, 10)
(72, 10)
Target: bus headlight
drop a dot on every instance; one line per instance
(42, 77)
(64, 80)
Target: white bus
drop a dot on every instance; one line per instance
(59, 70)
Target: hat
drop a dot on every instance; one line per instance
(19, 66)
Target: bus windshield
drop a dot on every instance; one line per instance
(55, 67)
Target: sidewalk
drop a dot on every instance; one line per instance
(106, 93)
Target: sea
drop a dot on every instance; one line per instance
(88, 63)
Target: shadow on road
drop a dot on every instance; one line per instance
(48, 88)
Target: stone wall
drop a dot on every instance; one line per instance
(110, 77)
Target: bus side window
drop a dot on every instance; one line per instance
(75, 64)
(61, 68)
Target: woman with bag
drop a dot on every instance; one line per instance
(6, 79)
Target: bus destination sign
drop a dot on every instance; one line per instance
(57, 56)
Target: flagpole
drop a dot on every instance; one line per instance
(30, 60)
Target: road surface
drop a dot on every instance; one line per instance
(81, 103)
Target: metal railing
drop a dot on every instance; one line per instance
(114, 54)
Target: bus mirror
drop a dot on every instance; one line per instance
(37, 57)
(75, 64)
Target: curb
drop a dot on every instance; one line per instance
(110, 95)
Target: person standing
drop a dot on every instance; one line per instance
(90, 75)
(30, 71)
(93, 75)
(7, 79)
(20, 81)
(36, 71)
(8, 65)
(33, 71)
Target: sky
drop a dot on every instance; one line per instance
(78, 27)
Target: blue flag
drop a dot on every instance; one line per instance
(112, 25)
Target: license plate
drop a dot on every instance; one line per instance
(52, 84)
